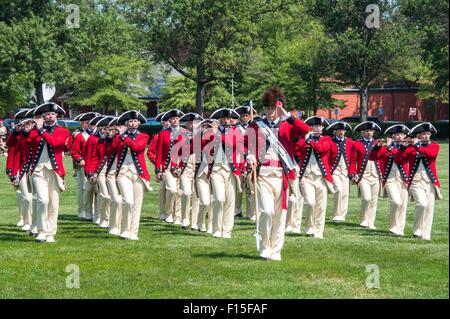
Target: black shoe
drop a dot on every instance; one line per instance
(239, 215)
(185, 227)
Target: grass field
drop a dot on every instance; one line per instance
(168, 262)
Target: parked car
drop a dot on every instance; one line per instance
(68, 123)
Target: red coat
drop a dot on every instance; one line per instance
(387, 156)
(78, 150)
(56, 139)
(335, 154)
(13, 159)
(168, 152)
(321, 148)
(95, 151)
(360, 157)
(151, 151)
(230, 139)
(427, 154)
(136, 144)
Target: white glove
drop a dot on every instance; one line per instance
(251, 159)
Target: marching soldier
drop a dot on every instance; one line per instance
(276, 167)
(15, 163)
(133, 178)
(188, 164)
(224, 171)
(167, 164)
(424, 184)
(111, 145)
(245, 179)
(78, 152)
(151, 154)
(366, 173)
(95, 168)
(202, 180)
(47, 169)
(394, 175)
(341, 150)
(315, 177)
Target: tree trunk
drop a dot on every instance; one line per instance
(199, 94)
(39, 94)
(363, 103)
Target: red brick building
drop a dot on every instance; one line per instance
(391, 104)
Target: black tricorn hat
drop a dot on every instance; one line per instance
(96, 119)
(131, 115)
(48, 107)
(208, 121)
(367, 125)
(86, 116)
(191, 116)
(244, 110)
(316, 120)
(113, 121)
(423, 127)
(224, 112)
(159, 116)
(23, 113)
(397, 128)
(171, 113)
(105, 121)
(30, 112)
(339, 126)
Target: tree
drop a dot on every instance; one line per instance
(179, 92)
(111, 83)
(365, 51)
(203, 40)
(293, 53)
(429, 20)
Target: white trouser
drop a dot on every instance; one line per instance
(104, 200)
(79, 176)
(397, 193)
(314, 191)
(204, 199)
(223, 184)
(272, 218)
(424, 194)
(369, 190)
(132, 189)
(187, 187)
(88, 198)
(341, 185)
(26, 200)
(115, 218)
(295, 207)
(173, 199)
(45, 184)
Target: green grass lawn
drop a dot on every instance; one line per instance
(168, 262)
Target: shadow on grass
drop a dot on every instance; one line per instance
(16, 237)
(224, 255)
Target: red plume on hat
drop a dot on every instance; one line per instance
(273, 97)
